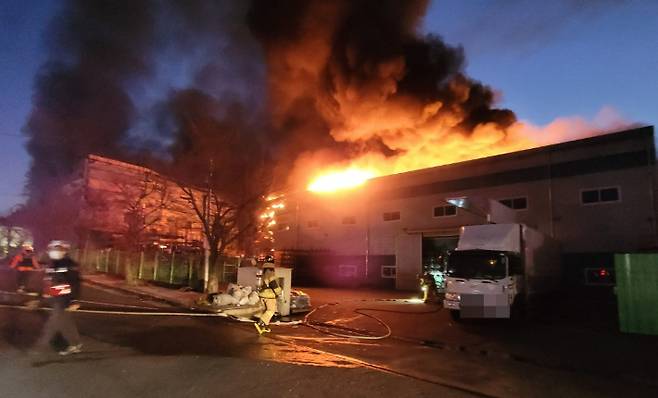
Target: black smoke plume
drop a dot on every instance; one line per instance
(328, 60)
(265, 82)
(81, 104)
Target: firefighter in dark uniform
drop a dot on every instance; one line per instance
(24, 263)
(64, 288)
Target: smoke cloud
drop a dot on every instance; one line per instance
(295, 86)
(354, 80)
(81, 105)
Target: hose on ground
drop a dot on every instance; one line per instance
(324, 328)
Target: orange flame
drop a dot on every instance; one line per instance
(435, 146)
(339, 180)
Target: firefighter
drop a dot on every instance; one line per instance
(424, 287)
(24, 263)
(65, 287)
(269, 291)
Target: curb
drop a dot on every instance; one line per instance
(136, 293)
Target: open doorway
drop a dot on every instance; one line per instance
(435, 249)
(435, 252)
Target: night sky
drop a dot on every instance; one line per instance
(546, 59)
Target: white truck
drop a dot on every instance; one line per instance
(497, 269)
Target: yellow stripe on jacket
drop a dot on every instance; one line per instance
(267, 292)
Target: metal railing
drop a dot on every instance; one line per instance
(172, 268)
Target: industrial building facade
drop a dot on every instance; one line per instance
(117, 196)
(596, 196)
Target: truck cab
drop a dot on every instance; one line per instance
(497, 268)
(482, 283)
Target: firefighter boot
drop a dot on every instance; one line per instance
(261, 327)
(257, 324)
(72, 349)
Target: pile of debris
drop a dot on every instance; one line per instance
(235, 295)
(237, 301)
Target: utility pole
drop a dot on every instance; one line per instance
(206, 242)
(206, 249)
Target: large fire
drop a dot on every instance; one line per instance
(420, 148)
(359, 92)
(435, 147)
(339, 180)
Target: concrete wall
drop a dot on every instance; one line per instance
(627, 225)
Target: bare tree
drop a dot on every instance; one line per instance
(209, 131)
(126, 205)
(142, 206)
(224, 223)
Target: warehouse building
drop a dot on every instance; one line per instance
(124, 201)
(596, 196)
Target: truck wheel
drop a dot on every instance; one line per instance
(455, 315)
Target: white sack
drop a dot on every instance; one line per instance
(253, 298)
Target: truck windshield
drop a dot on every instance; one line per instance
(479, 265)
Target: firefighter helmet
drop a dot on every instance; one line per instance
(267, 258)
(57, 249)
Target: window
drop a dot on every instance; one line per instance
(610, 195)
(391, 216)
(388, 271)
(347, 271)
(313, 224)
(589, 196)
(445, 211)
(459, 202)
(520, 203)
(600, 195)
(349, 220)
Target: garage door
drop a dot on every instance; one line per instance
(408, 256)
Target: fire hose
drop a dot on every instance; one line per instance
(134, 313)
(111, 312)
(144, 313)
(359, 311)
(321, 327)
(86, 301)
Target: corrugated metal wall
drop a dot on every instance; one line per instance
(637, 292)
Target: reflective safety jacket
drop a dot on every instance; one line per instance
(64, 278)
(24, 263)
(269, 288)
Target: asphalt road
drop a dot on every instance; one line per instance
(141, 356)
(128, 355)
